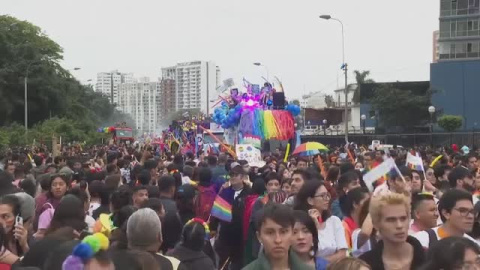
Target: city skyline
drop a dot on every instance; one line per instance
(109, 35)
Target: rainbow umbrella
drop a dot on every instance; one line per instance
(310, 149)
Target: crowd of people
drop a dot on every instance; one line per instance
(119, 207)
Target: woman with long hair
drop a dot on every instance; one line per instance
(365, 236)
(332, 243)
(58, 186)
(351, 205)
(69, 213)
(13, 235)
(305, 240)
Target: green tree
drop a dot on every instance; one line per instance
(450, 123)
(361, 77)
(400, 108)
(329, 101)
(25, 51)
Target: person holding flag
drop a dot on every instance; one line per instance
(227, 212)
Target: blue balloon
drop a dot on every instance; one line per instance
(293, 109)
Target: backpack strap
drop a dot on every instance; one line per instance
(432, 237)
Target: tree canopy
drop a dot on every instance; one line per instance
(400, 107)
(361, 77)
(450, 123)
(26, 51)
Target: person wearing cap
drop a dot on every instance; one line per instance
(229, 245)
(185, 202)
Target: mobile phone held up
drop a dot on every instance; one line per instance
(18, 221)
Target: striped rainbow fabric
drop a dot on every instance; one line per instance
(222, 209)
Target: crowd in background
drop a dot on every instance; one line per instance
(119, 207)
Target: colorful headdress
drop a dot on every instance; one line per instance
(205, 226)
(84, 251)
(174, 171)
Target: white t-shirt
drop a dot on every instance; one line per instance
(423, 238)
(237, 192)
(367, 246)
(93, 206)
(331, 238)
(90, 223)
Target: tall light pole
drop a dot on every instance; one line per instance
(258, 64)
(364, 118)
(431, 110)
(26, 95)
(324, 127)
(345, 69)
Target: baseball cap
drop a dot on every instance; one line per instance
(186, 191)
(234, 164)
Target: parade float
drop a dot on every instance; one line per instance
(256, 115)
(120, 133)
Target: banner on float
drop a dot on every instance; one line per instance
(249, 153)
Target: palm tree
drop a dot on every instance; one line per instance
(361, 77)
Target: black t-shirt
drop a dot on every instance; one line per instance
(374, 256)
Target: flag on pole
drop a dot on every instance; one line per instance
(222, 209)
(379, 171)
(414, 162)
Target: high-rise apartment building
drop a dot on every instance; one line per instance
(455, 75)
(195, 84)
(142, 101)
(459, 36)
(435, 47)
(168, 101)
(107, 83)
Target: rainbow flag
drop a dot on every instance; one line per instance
(414, 162)
(222, 209)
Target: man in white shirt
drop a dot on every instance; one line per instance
(457, 213)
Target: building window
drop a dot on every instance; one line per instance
(462, 27)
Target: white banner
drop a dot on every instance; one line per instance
(249, 153)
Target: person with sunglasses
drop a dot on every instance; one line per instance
(314, 198)
(457, 214)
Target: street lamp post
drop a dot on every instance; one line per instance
(258, 64)
(431, 110)
(363, 117)
(324, 127)
(345, 69)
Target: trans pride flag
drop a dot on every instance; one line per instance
(222, 209)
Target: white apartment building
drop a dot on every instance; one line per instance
(107, 83)
(314, 100)
(142, 101)
(195, 84)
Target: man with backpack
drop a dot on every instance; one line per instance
(457, 214)
(206, 194)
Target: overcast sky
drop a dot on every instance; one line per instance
(392, 39)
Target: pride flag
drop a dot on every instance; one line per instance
(414, 162)
(222, 209)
